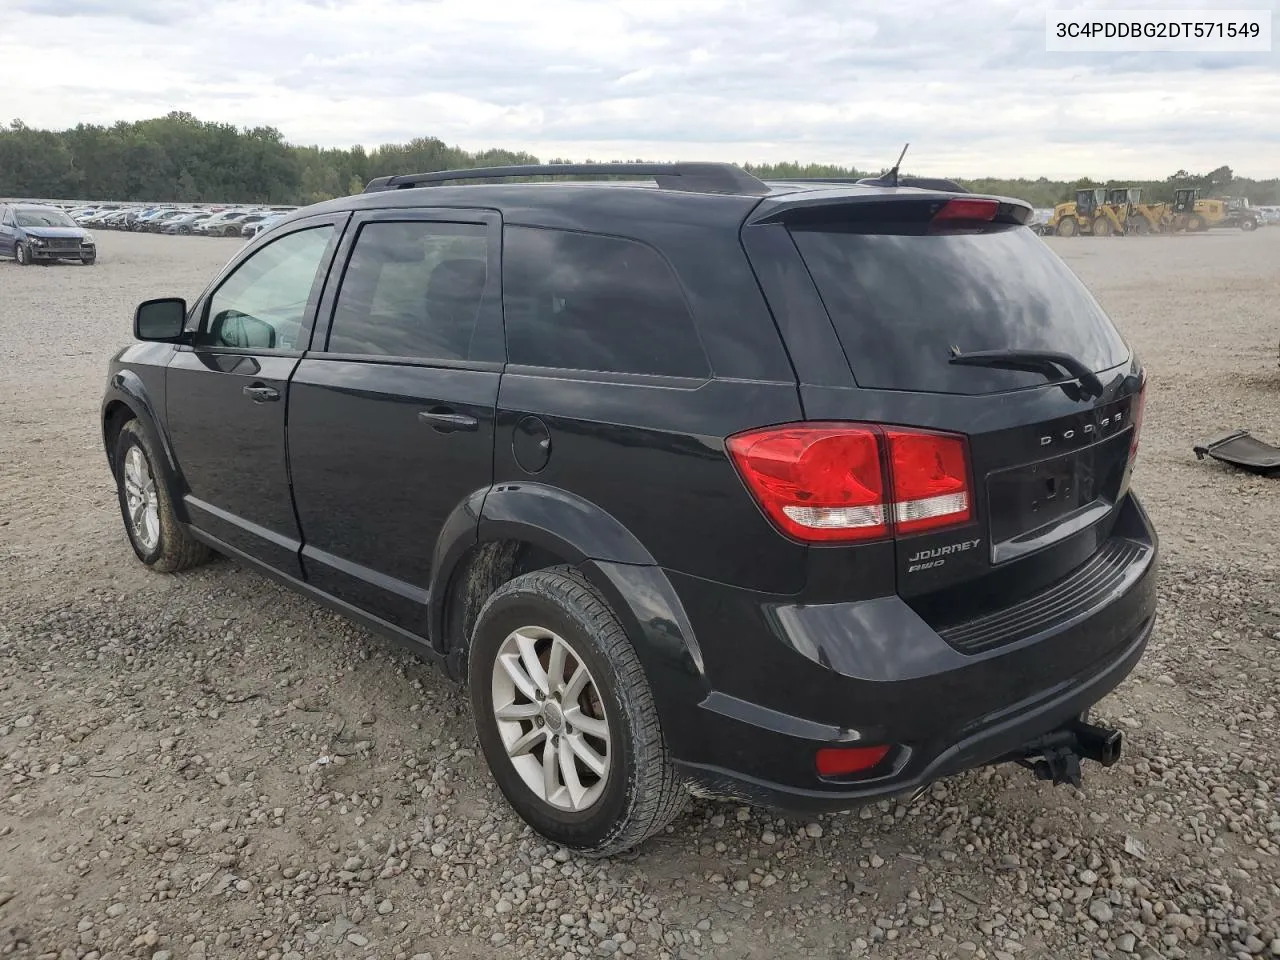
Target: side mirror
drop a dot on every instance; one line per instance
(160, 320)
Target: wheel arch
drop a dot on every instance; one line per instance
(127, 398)
(496, 535)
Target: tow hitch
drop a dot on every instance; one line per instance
(1056, 756)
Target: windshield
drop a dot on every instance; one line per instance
(35, 217)
(901, 301)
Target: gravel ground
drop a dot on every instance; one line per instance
(208, 766)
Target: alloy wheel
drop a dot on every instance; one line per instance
(551, 719)
(141, 499)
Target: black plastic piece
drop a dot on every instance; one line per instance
(689, 177)
(1241, 449)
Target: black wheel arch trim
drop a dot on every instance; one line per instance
(127, 388)
(613, 560)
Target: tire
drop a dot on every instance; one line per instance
(89, 261)
(639, 793)
(162, 543)
(1067, 227)
(184, 230)
(1195, 224)
(21, 256)
(1102, 227)
(1248, 224)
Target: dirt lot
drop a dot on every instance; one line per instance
(207, 766)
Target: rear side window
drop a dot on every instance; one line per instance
(579, 301)
(411, 289)
(900, 301)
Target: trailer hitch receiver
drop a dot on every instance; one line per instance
(1056, 756)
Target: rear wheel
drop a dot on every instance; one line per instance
(1102, 227)
(1248, 224)
(157, 536)
(1067, 227)
(1137, 226)
(566, 718)
(1195, 223)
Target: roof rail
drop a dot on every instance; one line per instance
(688, 177)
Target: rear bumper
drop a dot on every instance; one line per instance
(873, 672)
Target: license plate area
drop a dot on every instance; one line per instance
(1026, 503)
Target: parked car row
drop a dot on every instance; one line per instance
(213, 222)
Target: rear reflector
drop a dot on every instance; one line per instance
(844, 482)
(968, 208)
(842, 761)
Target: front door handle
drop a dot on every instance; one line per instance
(444, 421)
(261, 394)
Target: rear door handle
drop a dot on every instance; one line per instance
(261, 394)
(446, 422)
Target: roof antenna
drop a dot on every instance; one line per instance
(892, 175)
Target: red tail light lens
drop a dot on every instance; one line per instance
(817, 482)
(826, 482)
(1139, 406)
(968, 208)
(842, 761)
(930, 480)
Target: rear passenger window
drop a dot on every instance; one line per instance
(581, 301)
(411, 289)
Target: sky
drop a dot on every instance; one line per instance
(969, 84)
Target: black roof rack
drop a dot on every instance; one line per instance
(689, 177)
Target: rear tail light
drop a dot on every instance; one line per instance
(1139, 407)
(841, 482)
(843, 761)
(930, 480)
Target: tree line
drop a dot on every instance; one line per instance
(178, 158)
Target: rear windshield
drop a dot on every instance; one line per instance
(901, 300)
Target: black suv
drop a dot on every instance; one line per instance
(801, 494)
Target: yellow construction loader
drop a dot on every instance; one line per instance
(1088, 214)
(1138, 217)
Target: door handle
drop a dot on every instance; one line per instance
(261, 394)
(443, 421)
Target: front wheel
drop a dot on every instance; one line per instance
(1067, 227)
(1102, 227)
(566, 718)
(157, 536)
(89, 261)
(1248, 224)
(21, 256)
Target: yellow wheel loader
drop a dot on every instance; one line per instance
(1089, 213)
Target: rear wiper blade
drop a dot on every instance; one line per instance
(1046, 362)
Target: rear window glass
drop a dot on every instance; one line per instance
(578, 301)
(900, 301)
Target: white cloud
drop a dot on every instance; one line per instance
(970, 85)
